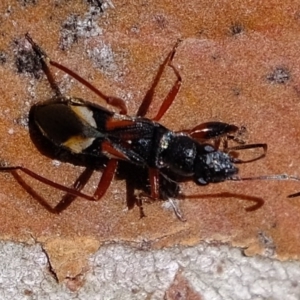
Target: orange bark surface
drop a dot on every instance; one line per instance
(240, 64)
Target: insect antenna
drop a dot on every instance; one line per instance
(264, 147)
(294, 195)
(276, 177)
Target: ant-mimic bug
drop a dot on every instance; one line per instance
(81, 127)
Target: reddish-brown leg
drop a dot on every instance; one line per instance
(170, 97)
(218, 132)
(114, 101)
(210, 130)
(45, 67)
(109, 171)
(104, 183)
(78, 185)
(72, 191)
(106, 178)
(143, 109)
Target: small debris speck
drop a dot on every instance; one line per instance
(22, 121)
(268, 244)
(68, 35)
(100, 5)
(97, 4)
(76, 27)
(103, 57)
(26, 61)
(236, 28)
(279, 76)
(27, 2)
(2, 57)
(56, 163)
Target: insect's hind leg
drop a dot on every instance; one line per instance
(78, 185)
(75, 191)
(43, 57)
(114, 101)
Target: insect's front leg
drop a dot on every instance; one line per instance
(143, 109)
(219, 132)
